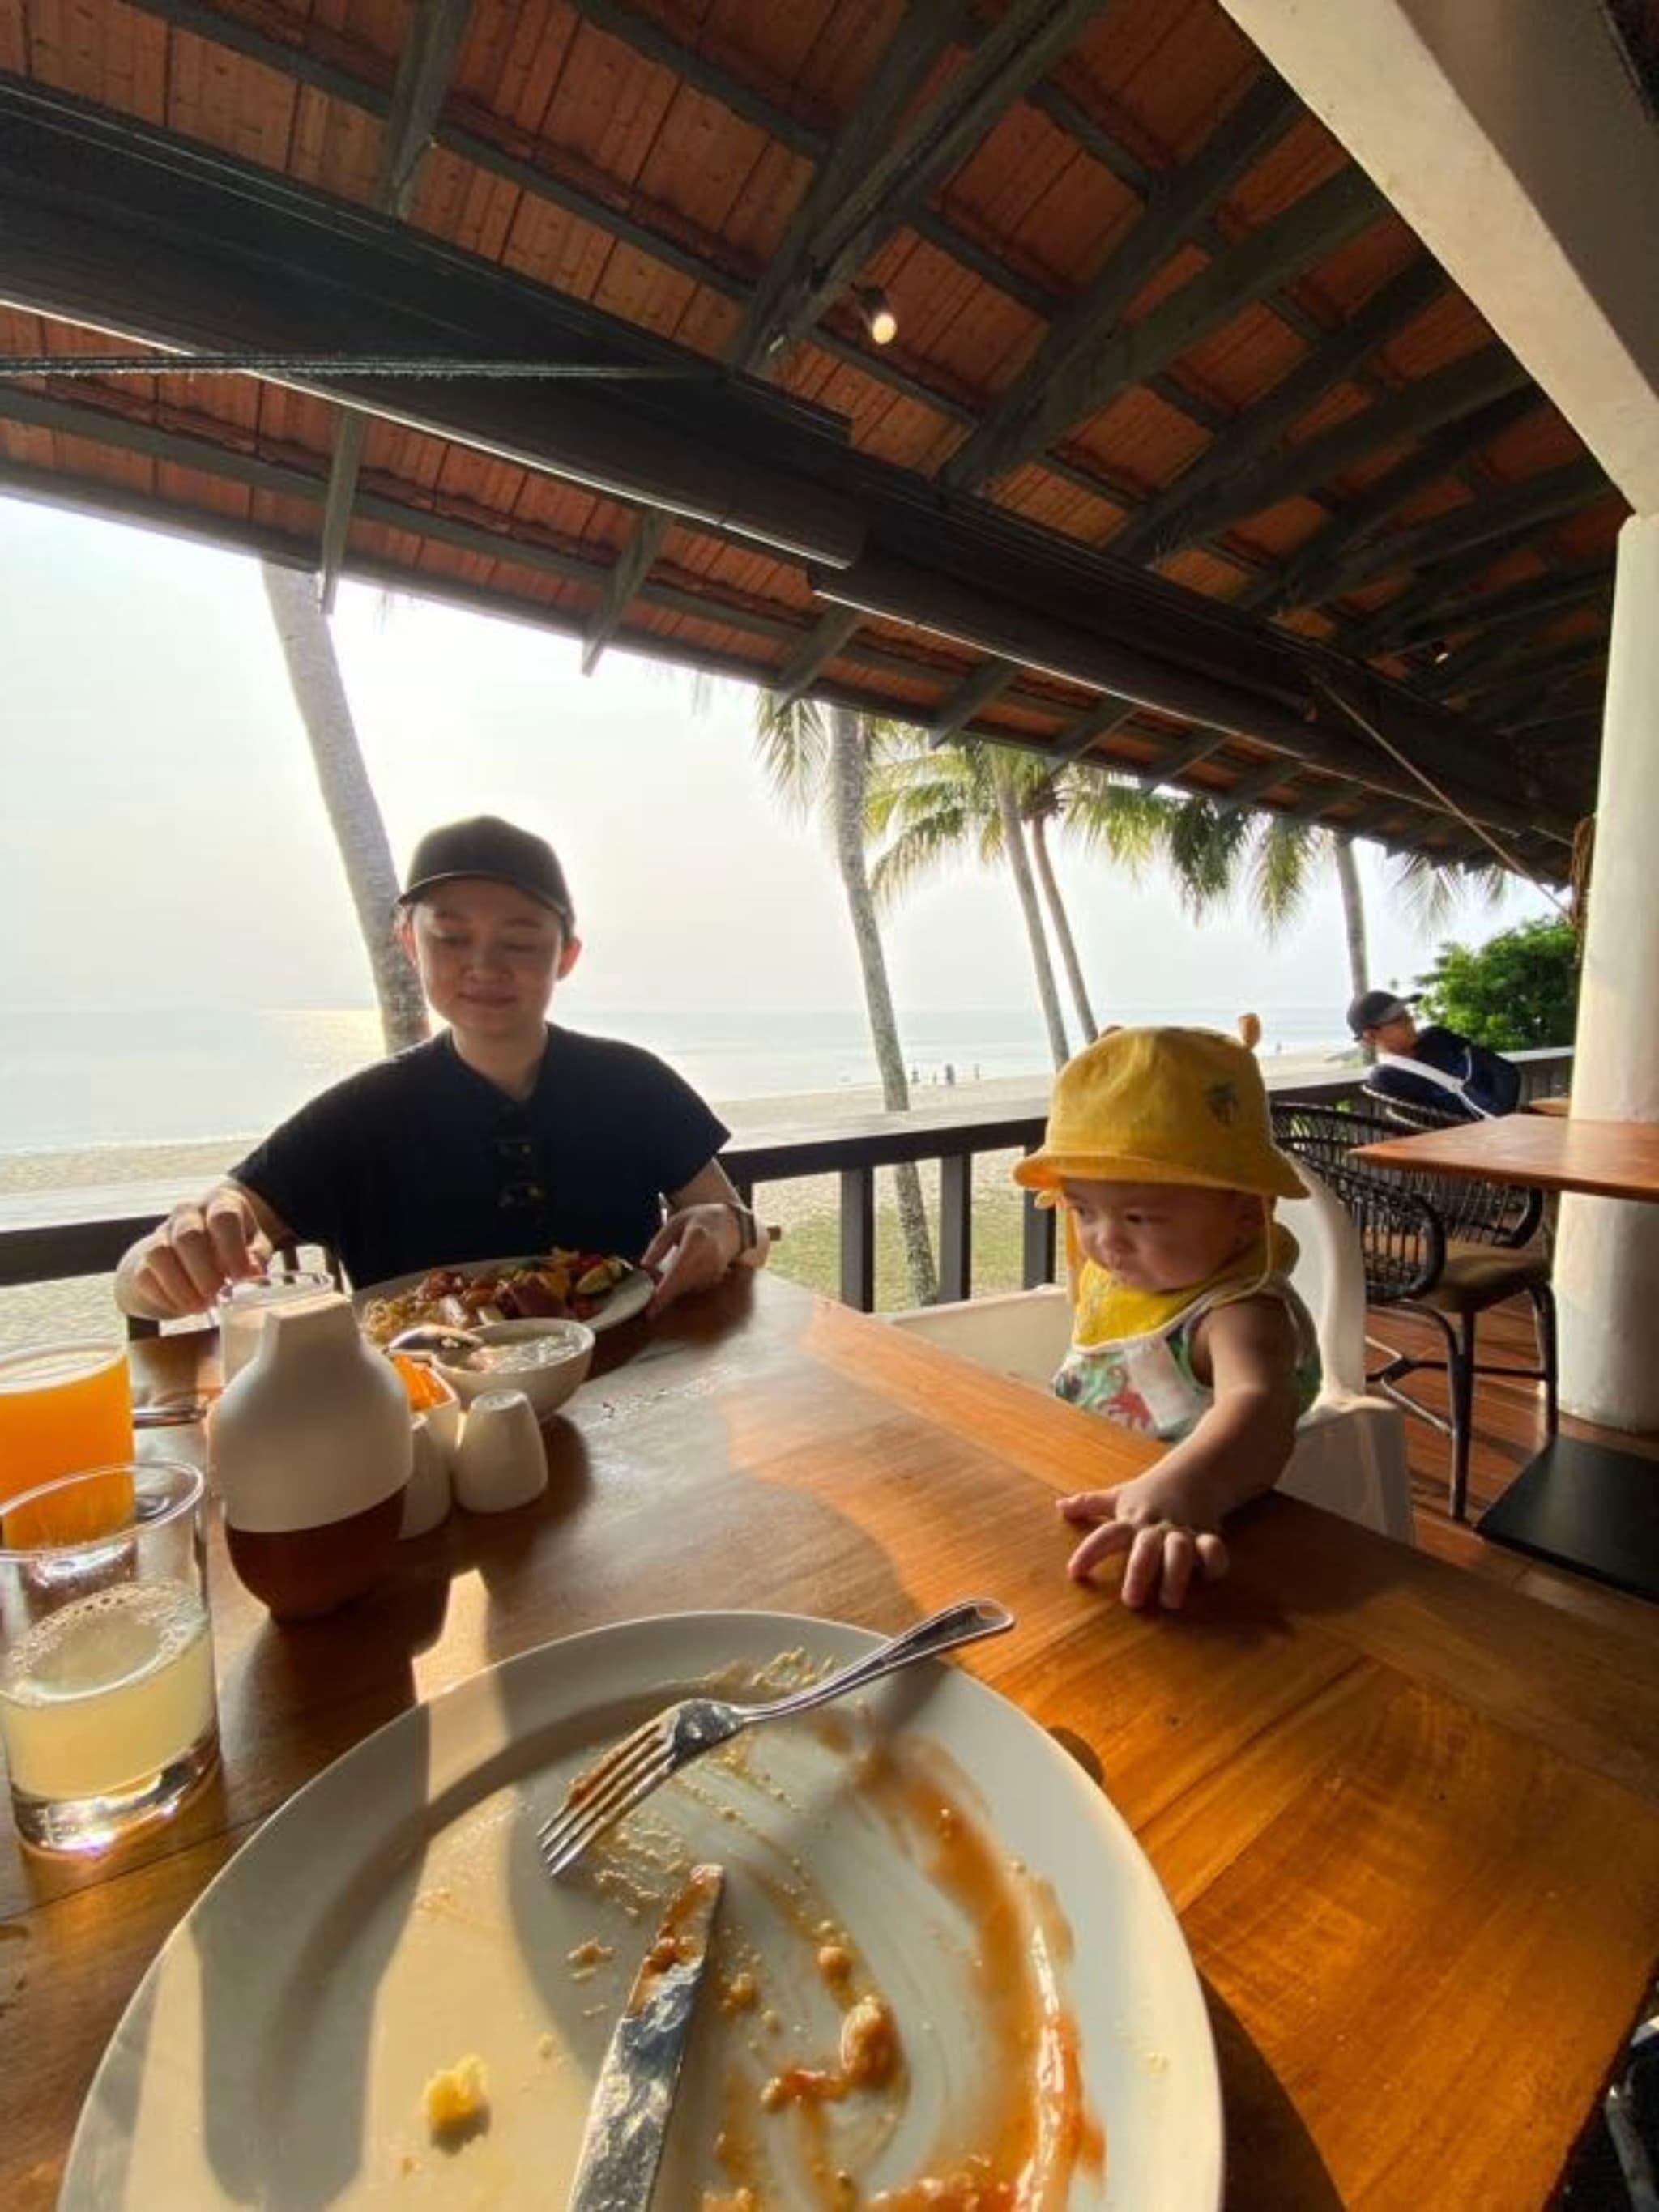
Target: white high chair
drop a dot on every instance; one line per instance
(1350, 1454)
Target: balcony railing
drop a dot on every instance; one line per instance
(50, 1236)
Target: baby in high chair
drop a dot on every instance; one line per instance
(1185, 1326)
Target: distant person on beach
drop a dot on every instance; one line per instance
(1433, 1075)
(501, 1137)
(1184, 1325)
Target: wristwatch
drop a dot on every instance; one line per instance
(749, 1230)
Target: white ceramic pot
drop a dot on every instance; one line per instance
(427, 1500)
(502, 1461)
(312, 1444)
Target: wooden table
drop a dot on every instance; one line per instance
(1557, 1108)
(1409, 1819)
(1580, 1503)
(1608, 1159)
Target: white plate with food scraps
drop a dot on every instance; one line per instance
(392, 1920)
(628, 1294)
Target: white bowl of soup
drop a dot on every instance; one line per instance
(547, 1359)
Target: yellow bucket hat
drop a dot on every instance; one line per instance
(1161, 1105)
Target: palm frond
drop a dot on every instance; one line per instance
(1433, 893)
(1286, 858)
(1203, 848)
(792, 743)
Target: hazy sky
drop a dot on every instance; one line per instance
(163, 843)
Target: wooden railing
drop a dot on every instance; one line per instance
(49, 1235)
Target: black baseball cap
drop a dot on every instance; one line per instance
(1373, 1008)
(497, 850)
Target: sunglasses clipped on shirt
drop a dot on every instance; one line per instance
(520, 1185)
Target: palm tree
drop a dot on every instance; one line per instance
(354, 813)
(1283, 856)
(819, 758)
(937, 805)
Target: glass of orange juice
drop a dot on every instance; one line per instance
(64, 1407)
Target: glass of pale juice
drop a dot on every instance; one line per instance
(63, 1407)
(107, 1712)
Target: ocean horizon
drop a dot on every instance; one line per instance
(133, 1076)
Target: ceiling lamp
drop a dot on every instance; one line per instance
(876, 310)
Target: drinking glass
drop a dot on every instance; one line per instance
(106, 1702)
(243, 1308)
(63, 1407)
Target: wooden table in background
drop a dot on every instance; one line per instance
(1409, 1819)
(1558, 1108)
(1580, 1503)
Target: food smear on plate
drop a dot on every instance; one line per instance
(815, 2094)
(565, 1286)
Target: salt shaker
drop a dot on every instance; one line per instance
(502, 1462)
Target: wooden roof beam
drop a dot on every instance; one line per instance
(647, 36)
(988, 681)
(1176, 762)
(1176, 206)
(823, 644)
(874, 175)
(1307, 577)
(837, 224)
(1448, 396)
(1100, 721)
(1094, 373)
(1521, 603)
(1243, 794)
(1507, 514)
(431, 47)
(1163, 522)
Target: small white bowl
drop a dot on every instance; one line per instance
(547, 1382)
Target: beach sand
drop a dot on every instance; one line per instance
(805, 1210)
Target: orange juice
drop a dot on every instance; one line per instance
(63, 1407)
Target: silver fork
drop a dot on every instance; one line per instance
(627, 1774)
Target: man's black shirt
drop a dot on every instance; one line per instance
(420, 1160)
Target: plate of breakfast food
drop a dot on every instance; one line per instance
(943, 1971)
(598, 1288)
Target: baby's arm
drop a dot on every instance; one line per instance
(1167, 1519)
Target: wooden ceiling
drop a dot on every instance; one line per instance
(1186, 459)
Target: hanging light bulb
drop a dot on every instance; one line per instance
(878, 312)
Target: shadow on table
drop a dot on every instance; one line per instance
(1272, 2160)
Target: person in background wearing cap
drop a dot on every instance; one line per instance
(1434, 1069)
(500, 1137)
(1184, 1324)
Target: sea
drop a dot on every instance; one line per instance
(126, 1077)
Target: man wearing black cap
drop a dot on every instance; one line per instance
(502, 1136)
(1435, 1070)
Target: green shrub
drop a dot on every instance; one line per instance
(1518, 990)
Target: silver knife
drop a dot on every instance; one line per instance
(634, 2098)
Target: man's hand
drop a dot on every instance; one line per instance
(181, 1267)
(1167, 1535)
(692, 1251)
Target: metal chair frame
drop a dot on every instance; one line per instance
(1406, 1224)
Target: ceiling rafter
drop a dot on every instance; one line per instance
(1240, 796)
(1093, 373)
(1315, 572)
(1507, 514)
(988, 681)
(1522, 604)
(1163, 524)
(1445, 398)
(922, 36)
(872, 179)
(1176, 205)
(432, 45)
(1111, 714)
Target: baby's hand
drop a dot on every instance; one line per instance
(1166, 1533)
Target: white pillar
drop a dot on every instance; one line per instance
(1606, 1267)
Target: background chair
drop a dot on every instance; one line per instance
(1440, 1249)
(1350, 1454)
